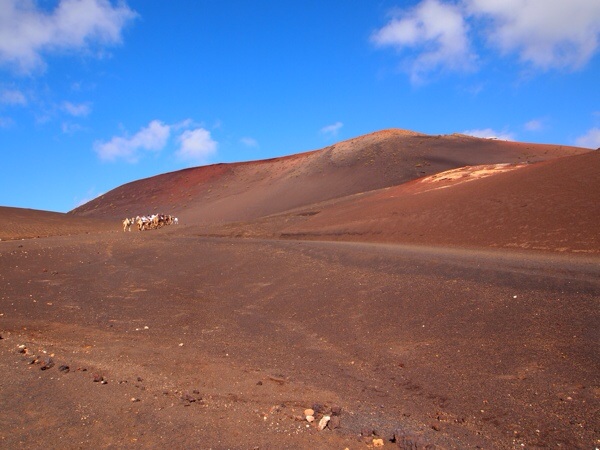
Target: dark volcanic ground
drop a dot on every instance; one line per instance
(223, 343)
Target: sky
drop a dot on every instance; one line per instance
(97, 93)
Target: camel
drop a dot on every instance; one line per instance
(127, 224)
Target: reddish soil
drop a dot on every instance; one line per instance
(456, 310)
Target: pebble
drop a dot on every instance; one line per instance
(47, 363)
(377, 442)
(334, 422)
(97, 378)
(317, 408)
(310, 419)
(309, 412)
(323, 422)
(64, 369)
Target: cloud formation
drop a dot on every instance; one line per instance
(439, 35)
(196, 145)
(437, 31)
(249, 142)
(332, 130)
(154, 137)
(27, 31)
(488, 133)
(590, 140)
(546, 34)
(77, 110)
(534, 125)
(12, 97)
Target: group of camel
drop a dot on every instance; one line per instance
(151, 222)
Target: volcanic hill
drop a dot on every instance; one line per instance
(297, 196)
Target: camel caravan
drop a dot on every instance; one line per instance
(151, 222)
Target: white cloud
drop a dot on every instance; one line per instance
(196, 145)
(534, 125)
(249, 142)
(437, 31)
(12, 97)
(589, 140)
(547, 34)
(332, 130)
(153, 137)
(488, 133)
(77, 110)
(437, 34)
(27, 31)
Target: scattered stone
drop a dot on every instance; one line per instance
(97, 378)
(63, 368)
(334, 423)
(47, 363)
(309, 412)
(336, 410)
(260, 383)
(323, 423)
(407, 442)
(21, 349)
(189, 399)
(135, 399)
(139, 379)
(317, 408)
(377, 442)
(310, 419)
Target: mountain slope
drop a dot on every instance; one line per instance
(552, 205)
(245, 191)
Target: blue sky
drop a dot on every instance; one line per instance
(97, 93)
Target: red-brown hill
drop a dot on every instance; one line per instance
(21, 223)
(246, 191)
(552, 205)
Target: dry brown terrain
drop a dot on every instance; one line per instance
(422, 291)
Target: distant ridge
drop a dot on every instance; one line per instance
(248, 190)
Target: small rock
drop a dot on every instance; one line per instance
(323, 423)
(135, 399)
(309, 412)
(64, 369)
(259, 383)
(377, 442)
(190, 399)
(97, 378)
(47, 363)
(310, 419)
(317, 408)
(334, 423)
(336, 410)
(140, 379)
